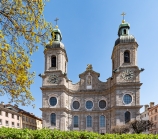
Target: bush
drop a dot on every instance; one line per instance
(140, 126)
(12, 133)
(120, 129)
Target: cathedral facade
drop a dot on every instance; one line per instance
(91, 104)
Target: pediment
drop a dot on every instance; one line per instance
(89, 79)
(92, 72)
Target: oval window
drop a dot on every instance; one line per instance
(89, 104)
(102, 104)
(53, 101)
(76, 105)
(127, 99)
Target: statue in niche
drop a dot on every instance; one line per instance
(89, 80)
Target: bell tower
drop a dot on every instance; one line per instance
(54, 80)
(55, 53)
(125, 49)
(125, 76)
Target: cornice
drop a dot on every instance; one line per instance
(10, 111)
(63, 88)
(72, 111)
(127, 107)
(120, 84)
(152, 108)
(87, 112)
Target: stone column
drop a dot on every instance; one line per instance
(63, 121)
(62, 100)
(59, 61)
(48, 59)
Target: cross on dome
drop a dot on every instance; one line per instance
(56, 20)
(123, 14)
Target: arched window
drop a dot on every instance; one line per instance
(127, 116)
(53, 119)
(53, 61)
(89, 121)
(126, 56)
(102, 121)
(75, 121)
(124, 31)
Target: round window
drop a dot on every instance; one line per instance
(102, 104)
(76, 105)
(89, 104)
(127, 99)
(53, 101)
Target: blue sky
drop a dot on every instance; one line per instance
(89, 29)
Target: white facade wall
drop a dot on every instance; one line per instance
(10, 120)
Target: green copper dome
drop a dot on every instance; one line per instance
(55, 44)
(123, 28)
(57, 34)
(123, 33)
(125, 24)
(125, 39)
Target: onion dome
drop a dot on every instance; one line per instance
(123, 33)
(123, 28)
(125, 39)
(55, 44)
(57, 37)
(56, 34)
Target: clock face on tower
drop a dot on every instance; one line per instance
(53, 79)
(127, 74)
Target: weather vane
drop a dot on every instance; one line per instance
(123, 14)
(56, 20)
